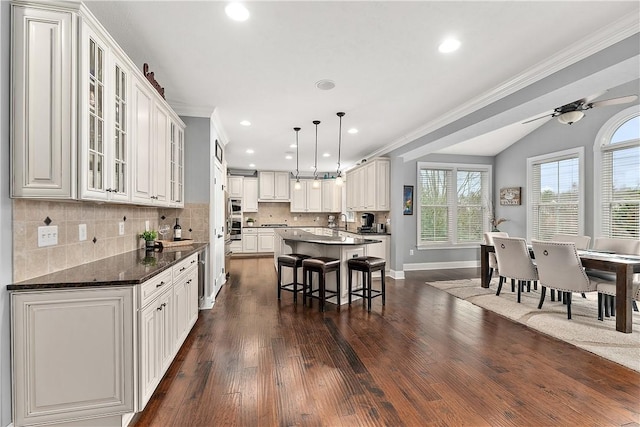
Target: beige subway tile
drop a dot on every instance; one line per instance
(37, 263)
(57, 258)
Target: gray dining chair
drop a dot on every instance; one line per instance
(559, 268)
(514, 262)
(493, 262)
(582, 242)
(607, 294)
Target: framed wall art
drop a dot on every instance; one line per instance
(407, 200)
(218, 151)
(510, 196)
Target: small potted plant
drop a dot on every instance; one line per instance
(149, 238)
(250, 222)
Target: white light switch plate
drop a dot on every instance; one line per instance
(82, 232)
(47, 236)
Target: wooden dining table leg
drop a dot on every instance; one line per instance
(484, 266)
(624, 282)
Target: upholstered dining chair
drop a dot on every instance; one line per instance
(606, 294)
(559, 268)
(582, 242)
(514, 262)
(493, 262)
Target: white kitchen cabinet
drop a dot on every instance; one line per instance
(265, 240)
(368, 186)
(331, 196)
(235, 186)
(176, 167)
(307, 198)
(43, 118)
(380, 250)
(249, 239)
(104, 119)
(250, 195)
(72, 354)
(273, 186)
(85, 131)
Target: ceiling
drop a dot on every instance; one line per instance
(389, 76)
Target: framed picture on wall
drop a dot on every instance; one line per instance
(510, 196)
(407, 200)
(218, 151)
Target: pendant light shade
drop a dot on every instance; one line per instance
(316, 181)
(297, 185)
(339, 179)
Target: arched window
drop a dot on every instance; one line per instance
(617, 176)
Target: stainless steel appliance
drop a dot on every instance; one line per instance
(366, 221)
(235, 219)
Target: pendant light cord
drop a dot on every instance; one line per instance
(297, 150)
(315, 165)
(340, 115)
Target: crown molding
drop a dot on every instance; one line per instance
(217, 125)
(609, 35)
(183, 109)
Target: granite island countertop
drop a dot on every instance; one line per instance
(129, 268)
(298, 235)
(335, 229)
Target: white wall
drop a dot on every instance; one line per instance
(197, 154)
(6, 256)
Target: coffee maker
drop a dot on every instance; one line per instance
(366, 221)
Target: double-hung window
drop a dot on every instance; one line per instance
(556, 194)
(618, 158)
(452, 203)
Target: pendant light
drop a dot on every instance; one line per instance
(339, 180)
(316, 181)
(297, 185)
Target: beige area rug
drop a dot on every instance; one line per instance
(584, 330)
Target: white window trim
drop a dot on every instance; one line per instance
(602, 139)
(481, 167)
(550, 157)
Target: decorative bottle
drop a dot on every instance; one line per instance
(177, 231)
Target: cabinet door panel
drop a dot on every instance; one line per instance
(142, 189)
(314, 198)
(160, 168)
(281, 186)
(43, 123)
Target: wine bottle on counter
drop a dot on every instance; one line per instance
(177, 231)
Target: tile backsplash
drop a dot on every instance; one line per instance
(102, 221)
(279, 213)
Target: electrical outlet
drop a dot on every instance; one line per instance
(410, 251)
(121, 228)
(146, 225)
(295, 218)
(48, 236)
(82, 232)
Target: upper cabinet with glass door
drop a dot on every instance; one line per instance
(176, 184)
(104, 121)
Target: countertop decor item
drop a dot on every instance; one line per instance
(149, 237)
(250, 222)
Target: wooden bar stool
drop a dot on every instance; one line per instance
(294, 261)
(367, 265)
(322, 266)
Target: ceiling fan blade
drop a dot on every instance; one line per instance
(538, 118)
(613, 101)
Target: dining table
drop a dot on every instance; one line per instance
(624, 266)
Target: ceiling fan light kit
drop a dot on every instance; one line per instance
(570, 117)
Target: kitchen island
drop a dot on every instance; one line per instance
(287, 241)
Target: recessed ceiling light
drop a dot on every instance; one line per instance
(250, 151)
(293, 146)
(326, 155)
(237, 12)
(449, 45)
(325, 84)
(288, 157)
(353, 130)
(245, 123)
(252, 165)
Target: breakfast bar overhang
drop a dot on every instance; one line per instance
(292, 240)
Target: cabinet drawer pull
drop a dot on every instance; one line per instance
(189, 281)
(183, 269)
(159, 308)
(192, 261)
(160, 284)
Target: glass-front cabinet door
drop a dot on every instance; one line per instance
(104, 135)
(177, 164)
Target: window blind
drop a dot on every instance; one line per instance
(555, 200)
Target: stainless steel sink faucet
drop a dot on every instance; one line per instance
(345, 220)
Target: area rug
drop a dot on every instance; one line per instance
(584, 330)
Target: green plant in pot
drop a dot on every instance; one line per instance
(149, 237)
(250, 222)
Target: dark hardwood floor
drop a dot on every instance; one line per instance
(427, 358)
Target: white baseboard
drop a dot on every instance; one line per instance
(126, 418)
(206, 303)
(395, 274)
(440, 265)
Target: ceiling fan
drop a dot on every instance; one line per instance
(574, 111)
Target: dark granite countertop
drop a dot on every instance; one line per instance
(130, 268)
(384, 233)
(297, 235)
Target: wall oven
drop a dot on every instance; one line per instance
(236, 229)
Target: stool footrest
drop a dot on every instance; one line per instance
(290, 287)
(360, 293)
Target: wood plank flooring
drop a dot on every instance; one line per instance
(426, 359)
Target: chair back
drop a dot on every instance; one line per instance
(513, 258)
(559, 266)
(489, 235)
(582, 242)
(619, 246)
